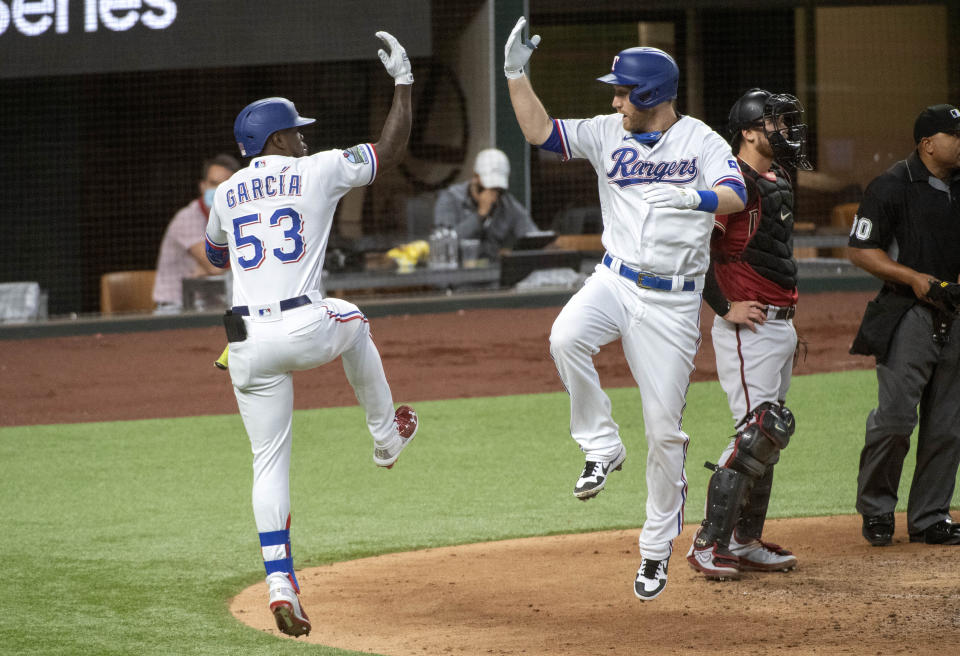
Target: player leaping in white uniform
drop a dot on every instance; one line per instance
(661, 177)
(270, 223)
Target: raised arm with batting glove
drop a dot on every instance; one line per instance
(532, 118)
(517, 51)
(396, 61)
(392, 145)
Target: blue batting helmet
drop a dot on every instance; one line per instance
(261, 118)
(651, 72)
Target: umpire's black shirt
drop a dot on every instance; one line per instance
(917, 214)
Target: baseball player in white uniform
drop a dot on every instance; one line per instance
(661, 177)
(270, 223)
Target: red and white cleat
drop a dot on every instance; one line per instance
(713, 561)
(285, 606)
(407, 423)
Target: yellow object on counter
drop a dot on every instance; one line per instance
(407, 256)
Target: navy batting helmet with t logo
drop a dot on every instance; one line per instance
(651, 72)
(261, 118)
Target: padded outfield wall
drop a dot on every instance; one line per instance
(107, 109)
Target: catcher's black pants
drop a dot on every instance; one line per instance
(920, 372)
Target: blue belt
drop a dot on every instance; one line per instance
(647, 280)
(285, 304)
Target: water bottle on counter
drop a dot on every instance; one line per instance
(444, 248)
(452, 250)
(437, 254)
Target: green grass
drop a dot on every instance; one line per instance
(130, 537)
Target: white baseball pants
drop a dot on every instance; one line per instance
(261, 370)
(660, 333)
(754, 367)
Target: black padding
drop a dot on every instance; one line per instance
(754, 452)
(754, 512)
(776, 421)
(788, 419)
(725, 494)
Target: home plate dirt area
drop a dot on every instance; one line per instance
(572, 595)
(551, 596)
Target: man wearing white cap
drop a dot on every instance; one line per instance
(482, 208)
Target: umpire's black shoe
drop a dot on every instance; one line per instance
(943, 532)
(878, 529)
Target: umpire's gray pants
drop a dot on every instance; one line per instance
(917, 372)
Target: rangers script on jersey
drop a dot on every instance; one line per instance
(664, 241)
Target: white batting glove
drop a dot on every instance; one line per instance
(517, 52)
(396, 63)
(660, 194)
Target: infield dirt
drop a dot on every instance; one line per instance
(537, 596)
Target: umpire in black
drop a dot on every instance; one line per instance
(907, 233)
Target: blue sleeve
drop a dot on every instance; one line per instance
(219, 256)
(553, 143)
(737, 186)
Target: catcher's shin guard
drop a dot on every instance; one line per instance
(754, 512)
(725, 494)
(758, 445)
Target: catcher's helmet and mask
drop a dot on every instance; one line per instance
(651, 72)
(756, 109)
(261, 118)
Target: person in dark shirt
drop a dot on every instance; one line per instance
(907, 233)
(482, 208)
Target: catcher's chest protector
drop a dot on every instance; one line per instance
(770, 250)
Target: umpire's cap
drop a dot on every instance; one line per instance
(936, 118)
(651, 72)
(261, 118)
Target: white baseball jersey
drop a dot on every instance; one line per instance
(659, 330)
(664, 241)
(276, 216)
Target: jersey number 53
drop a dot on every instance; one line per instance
(292, 249)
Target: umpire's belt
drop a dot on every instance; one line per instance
(265, 311)
(650, 280)
(781, 312)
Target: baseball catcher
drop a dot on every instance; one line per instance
(752, 287)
